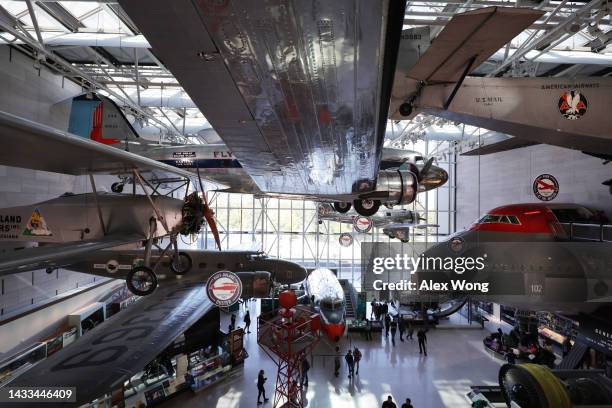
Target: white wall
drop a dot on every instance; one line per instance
(492, 180)
(45, 97)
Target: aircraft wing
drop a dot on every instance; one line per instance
(298, 90)
(55, 256)
(103, 358)
(465, 43)
(35, 146)
(500, 146)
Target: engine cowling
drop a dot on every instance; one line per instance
(255, 284)
(401, 186)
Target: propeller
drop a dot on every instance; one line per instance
(420, 173)
(209, 214)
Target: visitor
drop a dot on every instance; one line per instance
(260, 387)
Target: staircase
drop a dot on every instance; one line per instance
(348, 290)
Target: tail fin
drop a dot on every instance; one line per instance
(98, 118)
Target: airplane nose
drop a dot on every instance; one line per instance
(289, 272)
(434, 178)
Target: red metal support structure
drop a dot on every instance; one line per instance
(287, 335)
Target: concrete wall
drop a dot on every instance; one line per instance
(489, 181)
(42, 96)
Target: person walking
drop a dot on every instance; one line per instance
(407, 404)
(261, 380)
(393, 330)
(373, 311)
(410, 331)
(305, 368)
(247, 322)
(350, 363)
(402, 328)
(422, 337)
(337, 362)
(389, 403)
(387, 324)
(368, 330)
(357, 359)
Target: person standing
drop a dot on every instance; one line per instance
(357, 359)
(387, 324)
(407, 404)
(389, 403)
(422, 337)
(566, 346)
(337, 362)
(305, 368)
(261, 380)
(247, 322)
(410, 331)
(393, 330)
(350, 363)
(402, 328)
(233, 320)
(373, 311)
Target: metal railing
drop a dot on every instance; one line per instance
(575, 231)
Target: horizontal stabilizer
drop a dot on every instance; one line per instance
(475, 34)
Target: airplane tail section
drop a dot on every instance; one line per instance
(98, 118)
(465, 43)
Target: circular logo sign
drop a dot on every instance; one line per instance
(362, 224)
(345, 239)
(456, 244)
(545, 187)
(112, 266)
(224, 288)
(572, 105)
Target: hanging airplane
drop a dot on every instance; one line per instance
(432, 77)
(301, 100)
(395, 222)
(71, 227)
(98, 118)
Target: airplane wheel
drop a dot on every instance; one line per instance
(181, 264)
(366, 207)
(117, 187)
(342, 208)
(405, 109)
(141, 281)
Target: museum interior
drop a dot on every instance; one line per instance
(298, 203)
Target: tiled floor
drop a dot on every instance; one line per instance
(456, 360)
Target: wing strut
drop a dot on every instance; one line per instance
(467, 69)
(95, 194)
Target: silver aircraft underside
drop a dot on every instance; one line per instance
(294, 88)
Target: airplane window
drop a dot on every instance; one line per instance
(504, 219)
(514, 220)
(418, 158)
(487, 219)
(202, 265)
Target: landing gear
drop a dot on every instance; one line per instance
(141, 281)
(342, 208)
(366, 207)
(117, 187)
(181, 263)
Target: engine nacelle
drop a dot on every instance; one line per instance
(255, 284)
(400, 185)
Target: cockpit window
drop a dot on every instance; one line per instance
(499, 219)
(418, 158)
